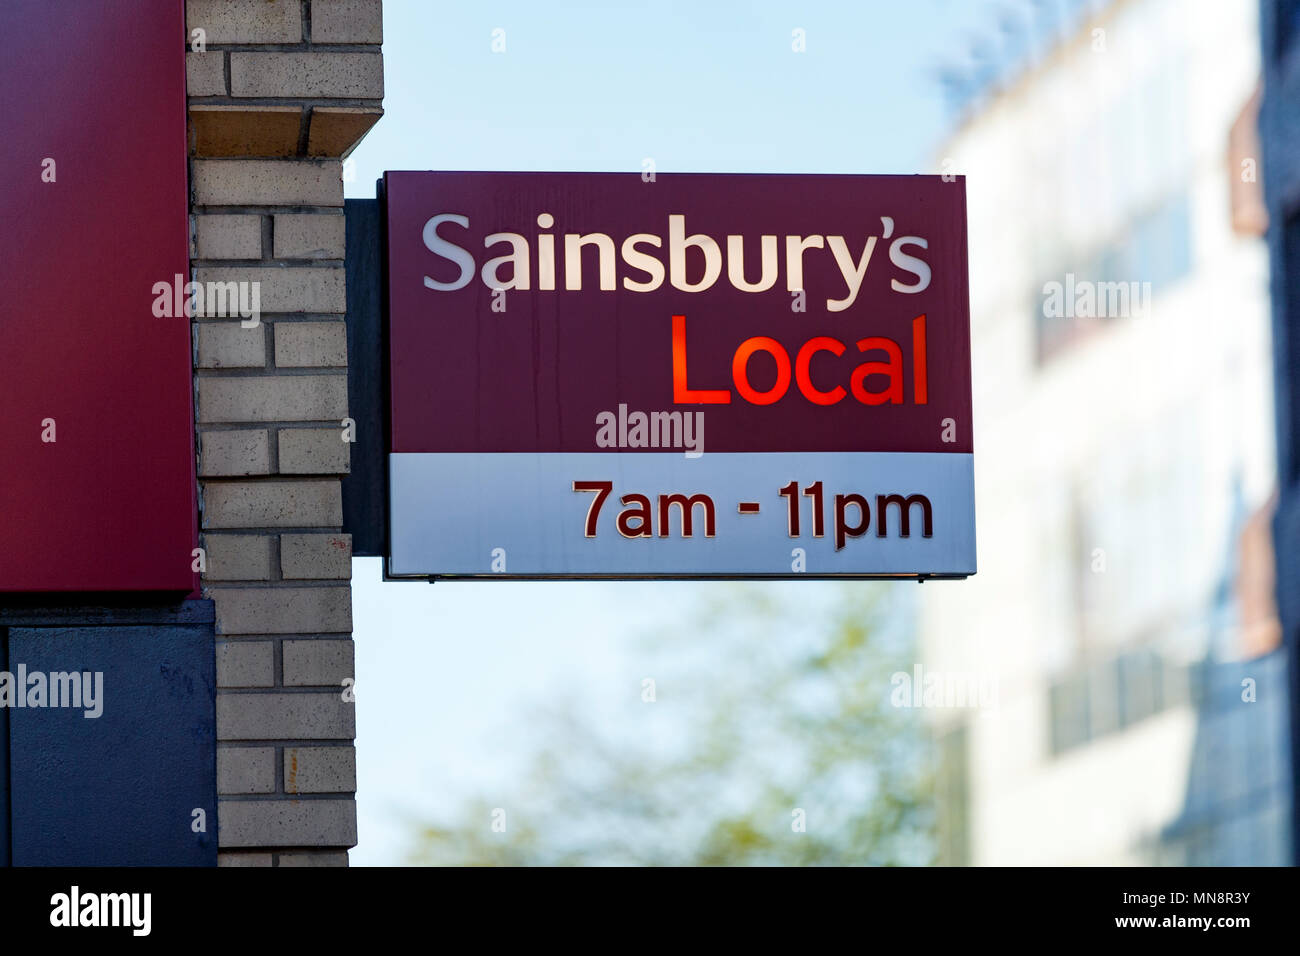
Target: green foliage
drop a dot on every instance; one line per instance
(767, 704)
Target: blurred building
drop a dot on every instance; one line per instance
(1124, 456)
(1280, 131)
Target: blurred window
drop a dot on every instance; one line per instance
(1068, 700)
(1103, 698)
(1092, 701)
(1288, 25)
(1245, 186)
(1291, 319)
(1141, 691)
(951, 789)
(1128, 216)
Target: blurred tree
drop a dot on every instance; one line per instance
(776, 745)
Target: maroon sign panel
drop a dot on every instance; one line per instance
(800, 313)
(96, 423)
(618, 375)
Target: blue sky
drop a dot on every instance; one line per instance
(699, 86)
(449, 674)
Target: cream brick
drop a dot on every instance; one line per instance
(245, 770)
(205, 74)
(272, 398)
(320, 858)
(245, 664)
(245, 21)
(232, 858)
(320, 770)
(228, 237)
(335, 130)
(311, 74)
(229, 454)
(270, 716)
(304, 236)
(313, 451)
(237, 557)
(312, 556)
(285, 288)
(283, 610)
(311, 345)
(347, 21)
(273, 823)
(272, 504)
(253, 831)
(268, 182)
(261, 129)
(317, 662)
(229, 344)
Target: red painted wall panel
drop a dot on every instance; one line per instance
(98, 86)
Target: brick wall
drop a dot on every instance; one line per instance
(280, 93)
